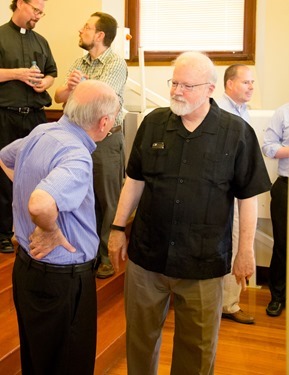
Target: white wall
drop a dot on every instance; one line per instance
(62, 21)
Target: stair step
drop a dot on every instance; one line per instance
(6, 299)
(9, 347)
(110, 321)
(111, 324)
(110, 334)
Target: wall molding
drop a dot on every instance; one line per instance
(53, 114)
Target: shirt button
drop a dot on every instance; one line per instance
(185, 161)
(177, 201)
(188, 140)
(172, 243)
(181, 180)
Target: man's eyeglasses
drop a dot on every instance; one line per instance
(36, 11)
(184, 86)
(87, 27)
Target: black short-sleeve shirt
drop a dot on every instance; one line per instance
(183, 224)
(17, 50)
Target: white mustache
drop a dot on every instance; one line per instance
(179, 98)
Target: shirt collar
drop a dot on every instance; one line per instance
(79, 132)
(101, 58)
(239, 107)
(17, 28)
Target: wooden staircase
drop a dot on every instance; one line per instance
(110, 321)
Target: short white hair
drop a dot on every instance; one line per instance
(89, 102)
(200, 62)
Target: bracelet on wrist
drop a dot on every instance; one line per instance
(117, 227)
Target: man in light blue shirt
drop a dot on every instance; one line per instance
(276, 146)
(238, 83)
(239, 87)
(55, 226)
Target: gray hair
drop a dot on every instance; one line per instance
(200, 62)
(89, 102)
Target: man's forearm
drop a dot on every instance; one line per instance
(244, 264)
(62, 94)
(43, 210)
(129, 198)
(248, 212)
(49, 80)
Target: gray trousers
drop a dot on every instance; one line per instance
(108, 174)
(197, 307)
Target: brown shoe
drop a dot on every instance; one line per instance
(239, 317)
(104, 271)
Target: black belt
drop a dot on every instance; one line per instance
(114, 130)
(23, 110)
(54, 268)
(284, 179)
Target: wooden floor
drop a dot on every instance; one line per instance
(242, 349)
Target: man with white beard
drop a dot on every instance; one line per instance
(187, 164)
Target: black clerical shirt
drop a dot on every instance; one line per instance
(18, 48)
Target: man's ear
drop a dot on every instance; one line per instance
(99, 36)
(211, 89)
(102, 123)
(229, 84)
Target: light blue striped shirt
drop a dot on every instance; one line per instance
(277, 136)
(56, 157)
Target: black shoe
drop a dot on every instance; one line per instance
(6, 246)
(274, 308)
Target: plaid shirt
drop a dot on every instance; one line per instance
(109, 68)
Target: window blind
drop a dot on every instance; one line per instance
(201, 25)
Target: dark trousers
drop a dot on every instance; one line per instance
(277, 271)
(57, 320)
(13, 125)
(108, 174)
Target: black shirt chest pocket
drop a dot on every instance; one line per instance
(155, 160)
(218, 167)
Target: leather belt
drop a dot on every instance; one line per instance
(115, 129)
(23, 110)
(54, 268)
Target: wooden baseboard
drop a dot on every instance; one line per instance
(53, 114)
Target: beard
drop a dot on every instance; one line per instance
(30, 24)
(86, 47)
(181, 107)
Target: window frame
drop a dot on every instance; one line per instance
(247, 56)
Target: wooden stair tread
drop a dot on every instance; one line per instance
(107, 288)
(110, 322)
(101, 283)
(6, 259)
(6, 265)
(9, 333)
